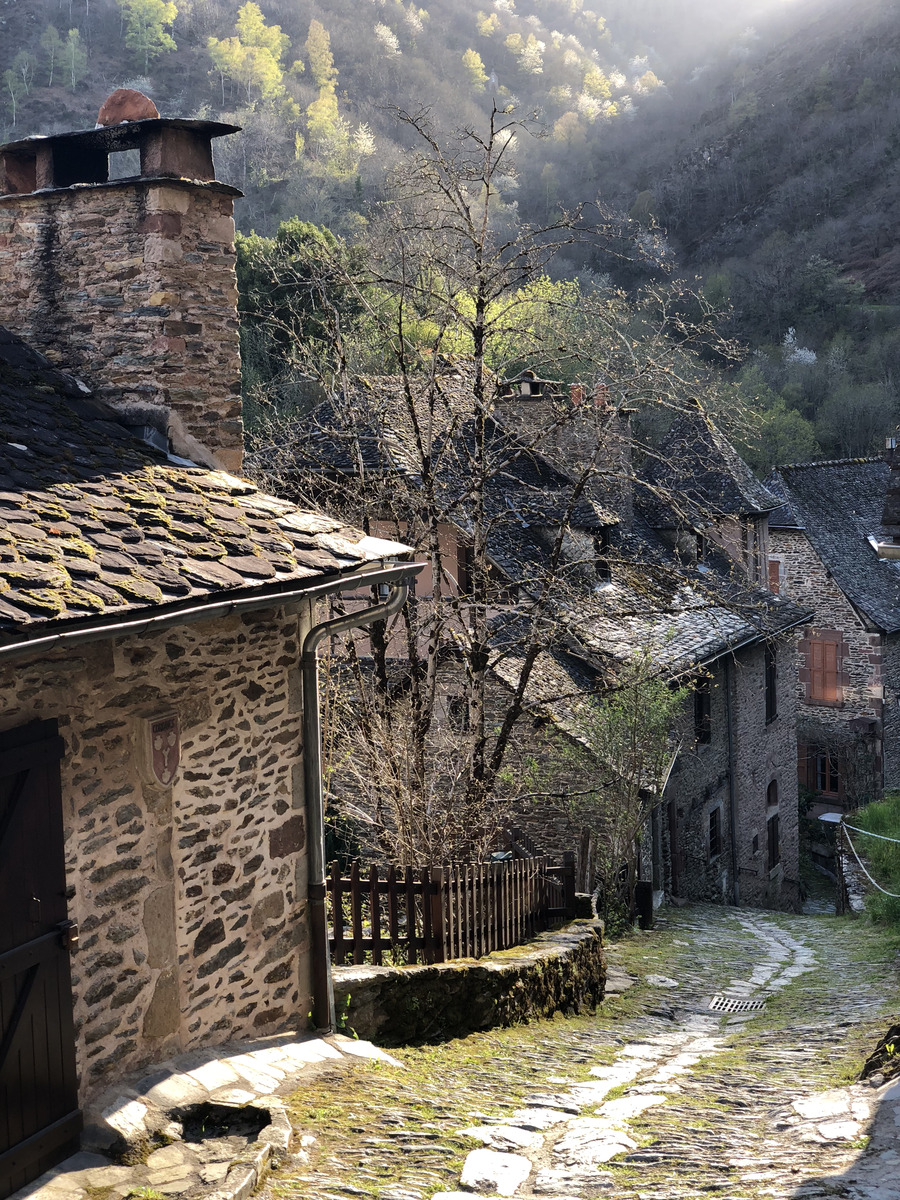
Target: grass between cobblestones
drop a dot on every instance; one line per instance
(391, 1133)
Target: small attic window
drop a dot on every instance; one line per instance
(601, 555)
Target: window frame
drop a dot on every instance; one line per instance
(714, 833)
(770, 687)
(773, 839)
(827, 641)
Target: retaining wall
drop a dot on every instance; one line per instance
(562, 971)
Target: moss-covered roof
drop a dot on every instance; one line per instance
(95, 523)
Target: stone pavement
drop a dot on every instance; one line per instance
(657, 1098)
(208, 1123)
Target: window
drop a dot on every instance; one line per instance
(715, 833)
(756, 843)
(776, 575)
(773, 825)
(823, 661)
(458, 713)
(601, 555)
(826, 768)
(771, 684)
(702, 712)
(774, 833)
(701, 547)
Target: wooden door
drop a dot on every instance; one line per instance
(39, 1117)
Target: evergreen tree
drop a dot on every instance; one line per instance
(321, 60)
(475, 69)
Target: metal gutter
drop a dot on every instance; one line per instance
(398, 590)
(120, 626)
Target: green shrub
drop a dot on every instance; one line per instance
(882, 859)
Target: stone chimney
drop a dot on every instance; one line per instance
(567, 424)
(130, 283)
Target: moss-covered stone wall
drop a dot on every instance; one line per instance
(561, 971)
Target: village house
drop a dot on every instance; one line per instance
(670, 560)
(161, 873)
(834, 549)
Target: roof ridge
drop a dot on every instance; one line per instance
(828, 462)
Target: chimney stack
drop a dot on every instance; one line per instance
(130, 282)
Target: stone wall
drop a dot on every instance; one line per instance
(890, 647)
(561, 971)
(763, 753)
(132, 286)
(807, 582)
(191, 897)
(697, 785)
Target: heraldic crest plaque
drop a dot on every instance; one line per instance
(165, 748)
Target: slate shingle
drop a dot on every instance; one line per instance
(95, 523)
(839, 506)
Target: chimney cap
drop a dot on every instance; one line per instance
(127, 135)
(170, 147)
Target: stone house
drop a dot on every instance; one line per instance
(160, 826)
(833, 550)
(670, 558)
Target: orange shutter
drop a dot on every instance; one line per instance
(823, 671)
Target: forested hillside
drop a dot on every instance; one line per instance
(314, 84)
(753, 145)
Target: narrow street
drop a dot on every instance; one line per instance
(655, 1097)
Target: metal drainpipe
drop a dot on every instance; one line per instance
(732, 796)
(323, 991)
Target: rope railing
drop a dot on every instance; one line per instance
(874, 882)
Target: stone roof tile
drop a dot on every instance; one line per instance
(94, 523)
(839, 506)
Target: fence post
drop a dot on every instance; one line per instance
(375, 914)
(410, 889)
(337, 915)
(568, 874)
(356, 913)
(437, 914)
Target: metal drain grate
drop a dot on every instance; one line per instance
(735, 1004)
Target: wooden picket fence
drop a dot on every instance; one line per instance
(434, 914)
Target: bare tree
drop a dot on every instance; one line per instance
(513, 505)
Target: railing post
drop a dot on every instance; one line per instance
(568, 874)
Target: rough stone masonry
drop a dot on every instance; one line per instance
(190, 897)
(131, 284)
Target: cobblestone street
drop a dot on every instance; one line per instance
(655, 1096)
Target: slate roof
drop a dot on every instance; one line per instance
(839, 505)
(696, 463)
(95, 523)
(683, 615)
(686, 615)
